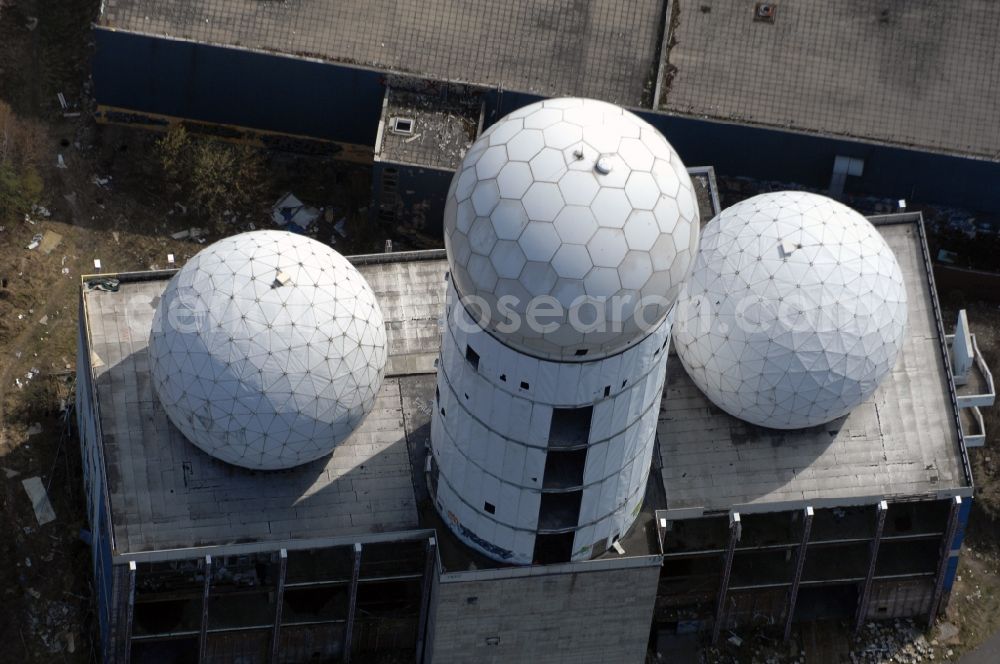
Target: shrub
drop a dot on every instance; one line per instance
(212, 175)
(22, 147)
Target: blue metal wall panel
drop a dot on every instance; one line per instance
(772, 154)
(237, 87)
(956, 544)
(340, 103)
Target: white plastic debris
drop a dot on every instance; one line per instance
(289, 209)
(39, 500)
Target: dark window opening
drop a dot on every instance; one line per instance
(503, 377)
(559, 510)
(551, 549)
(490, 507)
(624, 382)
(471, 600)
(525, 386)
(570, 427)
(607, 390)
(564, 469)
(903, 523)
(442, 412)
(437, 394)
(472, 357)
(580, 352)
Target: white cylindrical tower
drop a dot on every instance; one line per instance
(570, 227)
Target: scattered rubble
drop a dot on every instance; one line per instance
(900, 641)
(39, 500)
(289, 209)
(189, 234)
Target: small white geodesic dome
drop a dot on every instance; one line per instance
(267, 349)
(571, 199)
(794, 313)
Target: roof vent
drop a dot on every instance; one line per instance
(281, 279)
(765, 12)
(402, 126)
(603, 166)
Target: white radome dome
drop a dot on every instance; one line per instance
(571, 198)
(794, 313)
(267, 349)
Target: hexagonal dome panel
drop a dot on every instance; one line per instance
(795, 311)
(267, 350)
(594, 192)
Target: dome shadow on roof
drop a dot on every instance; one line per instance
(794, 313)
(267, 350)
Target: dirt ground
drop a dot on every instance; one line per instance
(126, 221)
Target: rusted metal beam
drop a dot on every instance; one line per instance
(949, 538)
(425, 597)
(203, 635)
(800, 561)
(130, 611)
(735, 531)
(279, 600)
(349, 628)
(866, 589)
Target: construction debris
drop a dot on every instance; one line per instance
(39, 500)
(36, 240)
(189, 234)
(898, 641)
(289, 209)
(50, 240)
(103, 284)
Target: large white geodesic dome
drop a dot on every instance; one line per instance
(794, 313)
(267, 349)
(582, 203)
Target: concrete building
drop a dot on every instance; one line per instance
(860, 98)
(345, 558)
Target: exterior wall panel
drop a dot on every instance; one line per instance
(595, 616)
(230, 86)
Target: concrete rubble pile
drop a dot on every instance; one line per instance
(899, 642)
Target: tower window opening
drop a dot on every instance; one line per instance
(472, 357)
(570, 427)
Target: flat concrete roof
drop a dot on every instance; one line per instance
(442, 130)
(601, 48)
(903, 441)
(166, 493)
(920, 74)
